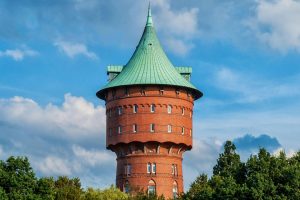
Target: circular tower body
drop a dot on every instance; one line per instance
(149, 110)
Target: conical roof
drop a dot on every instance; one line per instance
(149, 65)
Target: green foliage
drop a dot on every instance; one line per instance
(18, 179)
(3, 195)
(145, 196)
(67, 189)
(263, 176)
(46, 188)
(111, 193)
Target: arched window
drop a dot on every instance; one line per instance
(169, 109)
(126, 187)
(151, 187)
(152, 108)
(135, 108)
(175, 190)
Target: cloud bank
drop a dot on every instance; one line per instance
(65, 139)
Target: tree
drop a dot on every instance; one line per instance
(229, 164)
(111, 193)
(67, 189)
(3, 195)
(17, 178)
(200, 189)
(263, 176)
(46, 188)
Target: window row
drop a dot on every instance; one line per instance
(143, 92)
(152, 188)
(119, 110)
(151, 169)
(152, 129)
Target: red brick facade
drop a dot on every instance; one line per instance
(149, 127)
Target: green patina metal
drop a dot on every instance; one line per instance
(149, 65)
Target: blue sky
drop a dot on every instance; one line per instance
(53, 57)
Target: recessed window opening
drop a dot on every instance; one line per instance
(169, 128)
(135, 108)
(154, 168)
(119, 129)
(126, 187)
(152, 128)
(126, 91)
(169, 109)
(151, 187)
(134, 128)
(148, 168)
(119, 110)
(175, 190)
(152, 108)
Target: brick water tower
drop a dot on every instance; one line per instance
(149, 111)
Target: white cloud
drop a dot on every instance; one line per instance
(74, 49)
(75, 118)
(66, 139)
(277, 24)
(177, 46)
(92, 157)
(178, 27)
(179, 23)
(18, 54)
(54, 166)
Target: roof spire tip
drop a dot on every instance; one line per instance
(149, 17)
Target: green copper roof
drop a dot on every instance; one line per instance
(149, 65)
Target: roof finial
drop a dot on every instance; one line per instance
(149, 17)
